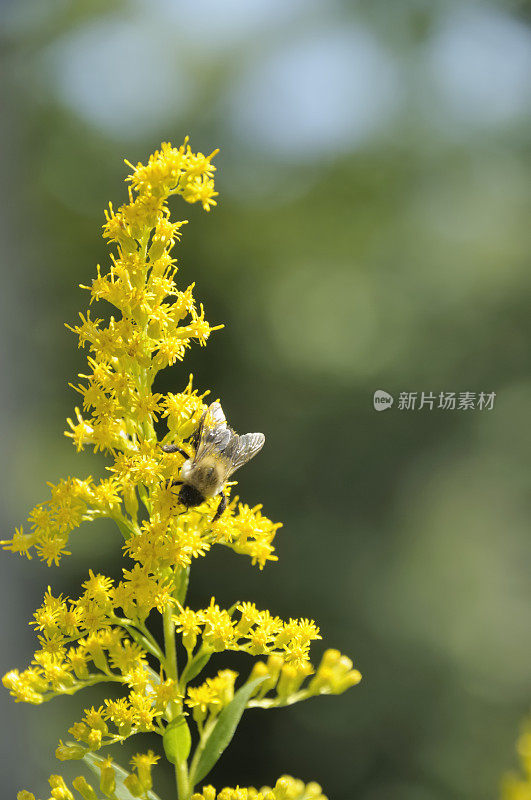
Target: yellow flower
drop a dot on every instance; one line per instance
(189, 623)
(25, 686)
(127, 655)
(213, 695)
(144, 712)
(166, 692)
(51, 548)
(143, 762)
(98, 588)
(219, 632)
(20, 543)
(94, 719)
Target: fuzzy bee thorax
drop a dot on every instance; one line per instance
(205, 476)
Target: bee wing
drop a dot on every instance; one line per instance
(241, 449)
(214, 435)
(214, 416)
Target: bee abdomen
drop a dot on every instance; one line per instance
(207, 478)
(189, 496)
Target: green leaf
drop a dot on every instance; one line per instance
(125, 529)
(224, 729)
(177, 741)
(181, 584)
(194, 667)
(140, 639)
(153, 676)
(121, 791)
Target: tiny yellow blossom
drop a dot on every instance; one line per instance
(143, 763)
(213, 695)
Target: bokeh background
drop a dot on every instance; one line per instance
(372, 233)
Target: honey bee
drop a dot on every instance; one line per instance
(219, 452)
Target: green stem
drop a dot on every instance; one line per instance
(277, 702)
(205, 734)
(181, 767)
(91, 681)
(169, 644)
(182, 780)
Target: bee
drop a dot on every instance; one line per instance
(219, 452)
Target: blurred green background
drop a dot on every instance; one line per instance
(372, 233)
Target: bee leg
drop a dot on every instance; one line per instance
(172, 448)
(196, 436)
(170, 483)
(221, 508)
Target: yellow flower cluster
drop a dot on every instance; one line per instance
(334, 675)
(252, 631)
(103, 635)
(212, 696)
(514, 786)
(286, 788)
(137, 783)
(157, 322)
(84, 642)
(72, 502)
(172, 537)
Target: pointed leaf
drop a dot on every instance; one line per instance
(121, 791)
(177, 741)
(224, 729)
(195, 666)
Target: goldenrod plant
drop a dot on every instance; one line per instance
(517, 786)
(106, 634)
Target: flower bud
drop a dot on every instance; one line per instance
(107, 778)
(144, 775)
(134, 786)
(70, 752)
(291, 678)
(189, 641)
(322, 681)
(199, 714)
(343, 683)
(209, 793)
(60, 790)
(330, 658)
(259, 670)
(314, 790)
(85, 789)
(130, 500)
(226, 689)
(94, 739)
